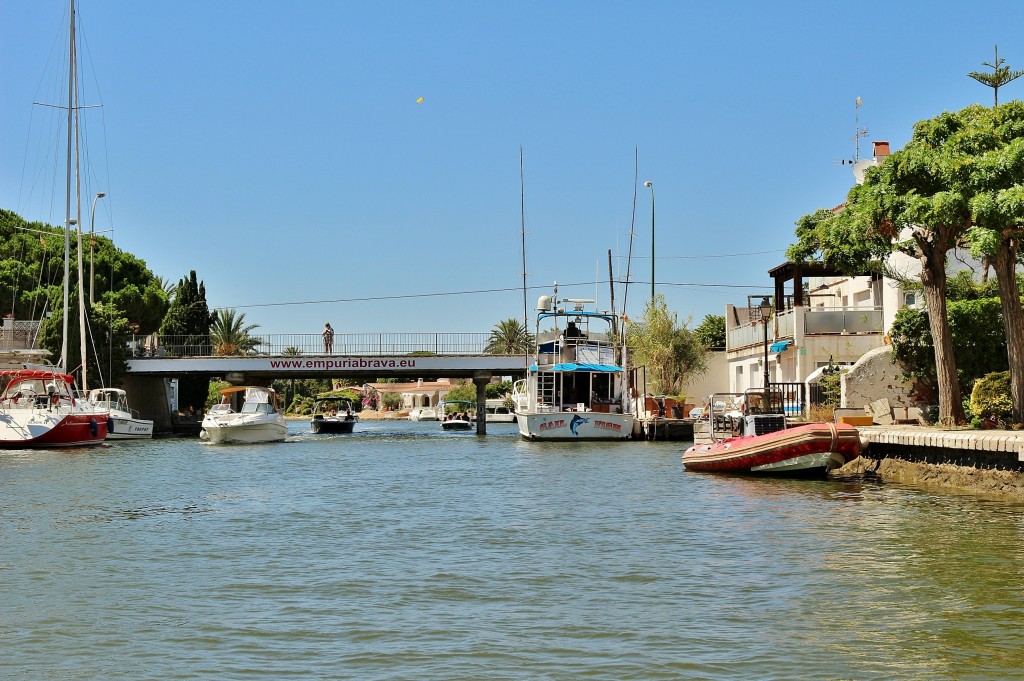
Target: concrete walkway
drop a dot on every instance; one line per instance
(1006, 442)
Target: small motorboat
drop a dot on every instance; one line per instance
(332, 415)
(259, 419)
(459, 418)
(768, 446)
(124, 423)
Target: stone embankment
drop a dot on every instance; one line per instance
(988, 462)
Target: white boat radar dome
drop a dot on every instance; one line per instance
(544, 303)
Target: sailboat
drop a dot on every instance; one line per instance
(38, 405)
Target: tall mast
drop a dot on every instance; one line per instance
(78, 216)
(67, 200)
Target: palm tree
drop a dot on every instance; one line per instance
(230, 333)
(509, 337)
(169, 287)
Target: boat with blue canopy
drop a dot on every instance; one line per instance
(576, 387)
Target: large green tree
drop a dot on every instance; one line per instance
(711, 331)
(670, 351)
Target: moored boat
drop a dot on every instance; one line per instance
(258, 420)
(423, 414)
(770, 447)
(124, 423)
(499, 412)
(576, 388)
(38, 409)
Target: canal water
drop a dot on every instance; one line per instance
(401, 552)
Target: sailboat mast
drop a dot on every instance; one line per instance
(78, 216)
(67, 200)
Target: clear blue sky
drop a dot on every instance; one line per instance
(278, 148)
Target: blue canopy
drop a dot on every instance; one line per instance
(779, 346)
(569, 366)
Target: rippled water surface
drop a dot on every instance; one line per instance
(401, 552)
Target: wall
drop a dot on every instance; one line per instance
(875, 377)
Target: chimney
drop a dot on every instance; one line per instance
(881, 150)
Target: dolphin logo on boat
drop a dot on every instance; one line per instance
(576, 421)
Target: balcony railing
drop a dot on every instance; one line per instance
(156, 345)
(816, 321)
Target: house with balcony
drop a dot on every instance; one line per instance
(817, 317)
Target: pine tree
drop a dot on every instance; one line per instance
(186, 331)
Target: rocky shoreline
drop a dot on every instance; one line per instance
(1004, 484)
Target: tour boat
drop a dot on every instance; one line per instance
(258, 420)
(332, 415)
(38, 409)
(768, 446)
(461, 419)
(124, 422)
(576, 388)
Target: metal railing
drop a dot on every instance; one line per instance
(305, 344)
(816, 321)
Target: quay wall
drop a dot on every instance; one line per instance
(988, 462)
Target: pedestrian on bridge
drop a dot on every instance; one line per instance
(328, 338)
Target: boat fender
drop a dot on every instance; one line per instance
(94, 427)
(110, 426)
(54, 399)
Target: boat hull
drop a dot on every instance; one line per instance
(240, 432)
(126, 428)
(332, 426)
(803, 450)
(573, 426)
(43, 431)
(457, 425)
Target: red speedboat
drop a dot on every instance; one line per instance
(38, 409)
(802, 450)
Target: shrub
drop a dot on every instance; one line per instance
(990, 398)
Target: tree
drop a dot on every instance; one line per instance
(1001, 75)
(993, 173)
(711, 331)
(670, 351)
(231, 335)
(187, 327)
(509, 337)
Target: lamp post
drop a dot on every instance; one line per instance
(92, 231)
(651, 185)
(766, 312)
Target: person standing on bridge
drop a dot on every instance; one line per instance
(328, 338)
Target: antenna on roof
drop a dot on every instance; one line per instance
(858, 133)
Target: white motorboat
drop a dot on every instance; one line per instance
(499, 412)
(258, 420)
(576, 388)
(459, 418)
(423, 414)
(124, 422)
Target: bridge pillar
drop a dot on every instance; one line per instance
(480, 380)
(147, 395)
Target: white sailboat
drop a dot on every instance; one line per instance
(38, 405)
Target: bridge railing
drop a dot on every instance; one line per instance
(279, 344)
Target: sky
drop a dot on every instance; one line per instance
(283, 151)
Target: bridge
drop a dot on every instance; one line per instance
(360, 356)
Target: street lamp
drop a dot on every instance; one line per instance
(766, 312)
(651, 185)
(92, 243)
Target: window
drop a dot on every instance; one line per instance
(910, 299)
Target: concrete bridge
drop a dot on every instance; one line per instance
(363, 357)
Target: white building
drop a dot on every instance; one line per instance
(823, 318)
